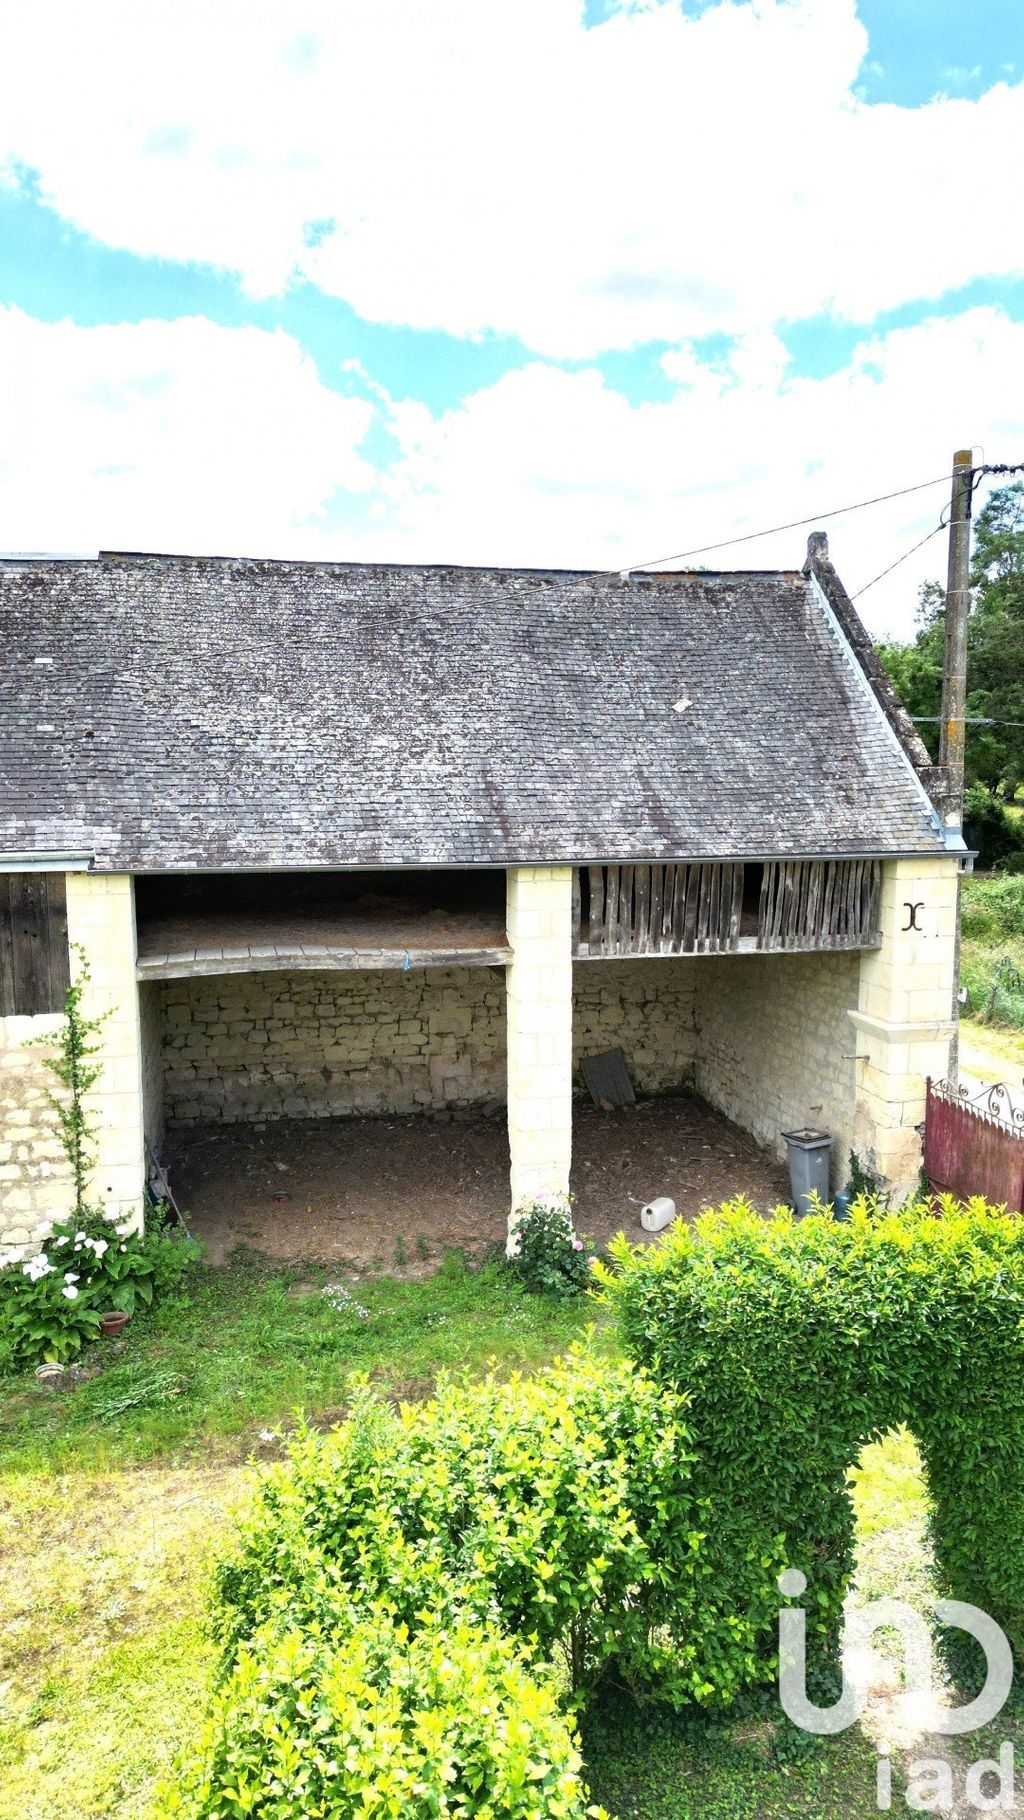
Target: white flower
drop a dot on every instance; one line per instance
(37, 1267)
(79, 1238)
(70, 1291)
(100, 1246)
(62, 1240)
(71, 1276)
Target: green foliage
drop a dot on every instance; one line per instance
(993, 907)
(800, 1341)
(861, 1181)
(51, 1304)
(561, 1505)
(404, 1589)
(551, 1258)
(992, 962)
(995, 639)
(646, 1764)
(989, 829)
(77, 1072)
(373, 1719)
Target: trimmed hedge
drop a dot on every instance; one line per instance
(799, 1341)
(560, 1506)
(372, 1720)
(410, 1594)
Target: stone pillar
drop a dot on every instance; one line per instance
(904, 1019)
(539, 988)
(101, 921)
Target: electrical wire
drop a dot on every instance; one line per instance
(977, 474)
(794, 525)
(999, 467)
(941, 526)
(970, 720)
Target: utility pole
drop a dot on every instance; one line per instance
(954, 692)
(954, 672)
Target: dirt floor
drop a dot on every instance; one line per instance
(387, 1191)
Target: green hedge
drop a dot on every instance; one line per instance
(799, 1341)
(407, 1593)
(410, 1595)
(372, 1721)
(560, 1505)
(990, 829)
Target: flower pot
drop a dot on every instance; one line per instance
(113, 1323)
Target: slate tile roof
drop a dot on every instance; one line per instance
(162, 712)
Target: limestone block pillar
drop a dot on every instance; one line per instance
(539, 989)
(904, 1020)
(101, 920)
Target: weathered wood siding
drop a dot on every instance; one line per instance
(663, 910)
(698, 909)
(819, 903)
(34, 969)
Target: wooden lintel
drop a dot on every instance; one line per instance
(317, 960)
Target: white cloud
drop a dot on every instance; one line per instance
(478, 167)
(167, 435)
(186, 436)
(553, 468)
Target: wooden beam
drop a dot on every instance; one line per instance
(316, 960)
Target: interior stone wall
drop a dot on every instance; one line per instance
(776, 1045)
(318, 1045)
(151, 1033)
(646, 1008)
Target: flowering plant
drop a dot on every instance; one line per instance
(51, 1304)
(550, 1257)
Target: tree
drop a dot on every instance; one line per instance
(995, 649)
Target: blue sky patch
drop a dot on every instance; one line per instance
(54, 272)
(921, 48)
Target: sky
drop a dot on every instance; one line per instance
(557, 283)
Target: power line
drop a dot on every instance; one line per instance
(970, 720)
(999, 467)
(795, 525)
(941, 526)
(994, 467)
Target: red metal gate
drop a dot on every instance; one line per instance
(975, 1146)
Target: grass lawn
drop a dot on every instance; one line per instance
(990, 1053)
(241, 1349)
(116, 1492)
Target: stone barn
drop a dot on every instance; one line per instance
(344, 841)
